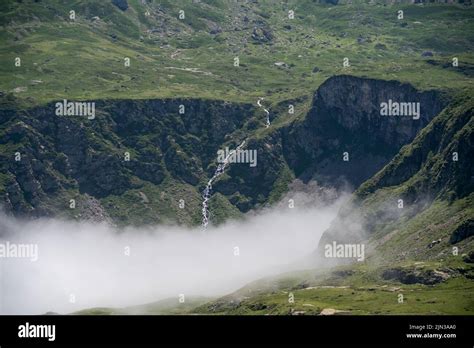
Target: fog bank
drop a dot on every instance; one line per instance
(96, 266)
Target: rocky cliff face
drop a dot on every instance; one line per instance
(62, 157)
(423, 196)
(172, 153)
(346, 118)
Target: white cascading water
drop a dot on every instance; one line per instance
(220, 170)
(207, 191)
(266, 111)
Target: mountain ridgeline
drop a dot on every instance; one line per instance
(137, 159)
(420, 205)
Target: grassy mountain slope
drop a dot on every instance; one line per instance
(194, 57)
(173, 155)
(358, 291)
(163, 307)
(433, 178)
(424, 252)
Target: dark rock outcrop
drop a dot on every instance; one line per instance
(262, 35)
(345, 117)
(404, 276)
(121, 4)
(463, 231)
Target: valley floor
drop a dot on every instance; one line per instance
(348, 290)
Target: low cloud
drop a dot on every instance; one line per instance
(89, 263)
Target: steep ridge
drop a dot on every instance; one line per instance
(420, 205)
(148, 155)
(128, 145)
(345, 117)
(424, 250)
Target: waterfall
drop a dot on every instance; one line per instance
(266, 111)
(206, 195)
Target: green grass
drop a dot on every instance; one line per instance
(170, 306)
(357, 289)
(454, 297)
(411, 239)
(80, 60)
(354, 290)
(151, 204)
